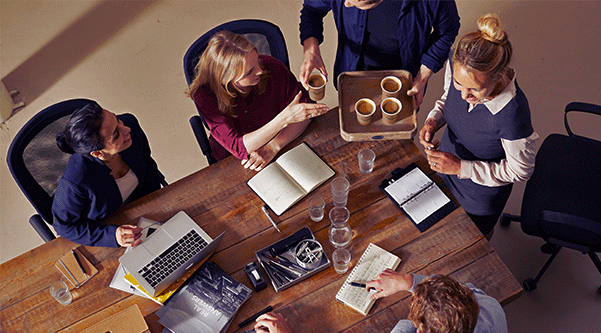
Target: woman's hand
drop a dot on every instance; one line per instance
(426, 134)
(296, 112)
(259, 158)
(443, 162)
(389, 282)
(312, 59)
(272, 322)
(128, 235)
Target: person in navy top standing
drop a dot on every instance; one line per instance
(489, 142)
(110, 166)
(378, 35)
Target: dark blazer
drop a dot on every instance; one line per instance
(87, 192)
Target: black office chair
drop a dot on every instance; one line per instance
(36, 162)
(268, 39)
(562, 199)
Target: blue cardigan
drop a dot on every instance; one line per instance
(87, 192)
(426, 31)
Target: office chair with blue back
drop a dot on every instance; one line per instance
(562, 199)
(268, 39)
(36, 163)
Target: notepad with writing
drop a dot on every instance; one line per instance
(289, 178)
(373, 261)
(417, 196)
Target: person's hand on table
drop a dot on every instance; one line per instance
(272, 322)
(296, 112)
(259, 158)
(128, 235)
(443, 162)
(312, 60)
(426, 134)
(389, 282)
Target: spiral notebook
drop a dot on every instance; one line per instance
(417, 196)
(373, 261)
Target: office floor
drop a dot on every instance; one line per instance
(119, 64)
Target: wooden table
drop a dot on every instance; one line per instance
(218, 199)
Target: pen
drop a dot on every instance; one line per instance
(362, 285)
(269, 217)
(79, 263)
(255, 316)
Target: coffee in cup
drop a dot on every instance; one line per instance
(391, 107)
(317, 86)
(365, 108)
(391, 85)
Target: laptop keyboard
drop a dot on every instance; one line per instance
(172, 258)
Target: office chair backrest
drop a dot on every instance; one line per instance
(562, 199)
(266, 36)
(34, 159)
(268, 39)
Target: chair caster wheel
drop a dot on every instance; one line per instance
(548, 248)
(529, 284)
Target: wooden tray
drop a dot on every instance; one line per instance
(366, 84)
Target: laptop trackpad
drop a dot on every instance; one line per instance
(158, 242)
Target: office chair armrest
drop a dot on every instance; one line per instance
(583, 223)
(201, 136)
(162, 180)
(41, 228)
(579, 107)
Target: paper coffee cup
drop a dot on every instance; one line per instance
(317, 86)
(365, 108)
(391, 86)
(391, 107)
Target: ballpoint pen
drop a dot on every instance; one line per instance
(79, 263)
(361, 285)
(264, 208)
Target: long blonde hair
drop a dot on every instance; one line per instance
(486, 50)
(220, 65)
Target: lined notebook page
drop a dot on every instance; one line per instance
(373, 261)
(417, 194)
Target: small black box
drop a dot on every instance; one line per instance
(255, 277)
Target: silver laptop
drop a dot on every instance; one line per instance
(168, 253)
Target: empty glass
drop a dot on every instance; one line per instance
(316, 204)
(340, 188)
(366, 159)
(340, 230)
(60, 291)
(341, 259)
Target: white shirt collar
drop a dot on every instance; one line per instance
(498, 103)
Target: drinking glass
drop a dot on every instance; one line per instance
(341, 259)
(340, 232)
(340, 188)
(316, 204)
(366, 159)
(60, 291)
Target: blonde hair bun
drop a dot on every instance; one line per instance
(490, 27)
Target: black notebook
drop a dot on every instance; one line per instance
(417, 196)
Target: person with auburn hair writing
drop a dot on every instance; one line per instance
(252, 103)
(489, 142)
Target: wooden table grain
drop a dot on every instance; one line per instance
(218, 199)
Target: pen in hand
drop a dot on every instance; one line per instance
(361, 285)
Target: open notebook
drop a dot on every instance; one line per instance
(373, 261)
(289, 178)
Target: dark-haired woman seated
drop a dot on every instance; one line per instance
(110, 166)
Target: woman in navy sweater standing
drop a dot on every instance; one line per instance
(110, 166)
(489, 142)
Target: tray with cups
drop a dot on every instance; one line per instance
(293, 259)
(373, 105)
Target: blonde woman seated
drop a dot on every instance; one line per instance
(252, 103)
